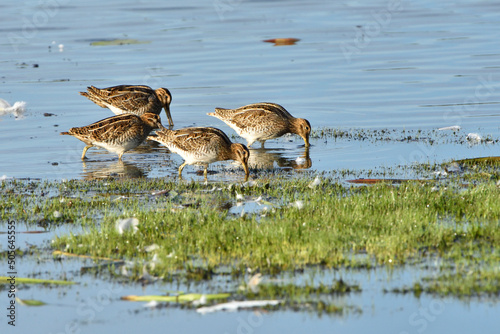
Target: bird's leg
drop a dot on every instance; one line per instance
(181, 167)
(262, 144)
(85, 151)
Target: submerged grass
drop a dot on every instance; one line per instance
(430, 137)
(186, 230)
(320, 299)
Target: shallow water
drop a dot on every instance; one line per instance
(94, 305)
(421, 66)
(358, 64)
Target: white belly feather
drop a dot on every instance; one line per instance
(200, 157)
(115, 110)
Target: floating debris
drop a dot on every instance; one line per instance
(474, 138)
(160, 192)
(151, 304)
(452, 128)
(235, 305)
(18, 109)
(201, 301)
(30, 302)
(127, 224)
(27, 280)
(282, 41)
(190, 297)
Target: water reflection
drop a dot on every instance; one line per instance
(271, 158)
(119, 169)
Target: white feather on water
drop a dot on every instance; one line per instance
(18, 109)
(235, 305)
(474, 138)
(452, 128)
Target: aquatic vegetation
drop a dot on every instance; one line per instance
(466, 283)
(180, 298)
(30, 302)
(429, 137)
(153, 230)
(321, 298)
(108, 42)
(194, 234)
(28, 280)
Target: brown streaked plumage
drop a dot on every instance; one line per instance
(263, 121)
(202, 146)
(131, 99)
(116, 134)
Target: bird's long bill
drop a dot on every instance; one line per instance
(245, 167)
(167, 111)
(306, 140)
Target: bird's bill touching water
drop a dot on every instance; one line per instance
(167, 111)
(306, 139)
(241, 154)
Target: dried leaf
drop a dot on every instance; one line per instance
(282, 41)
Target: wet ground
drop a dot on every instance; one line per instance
(359, 66)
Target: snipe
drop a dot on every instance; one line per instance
(131, 99)
(202, 146)
(263, 121)
(116, 134)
